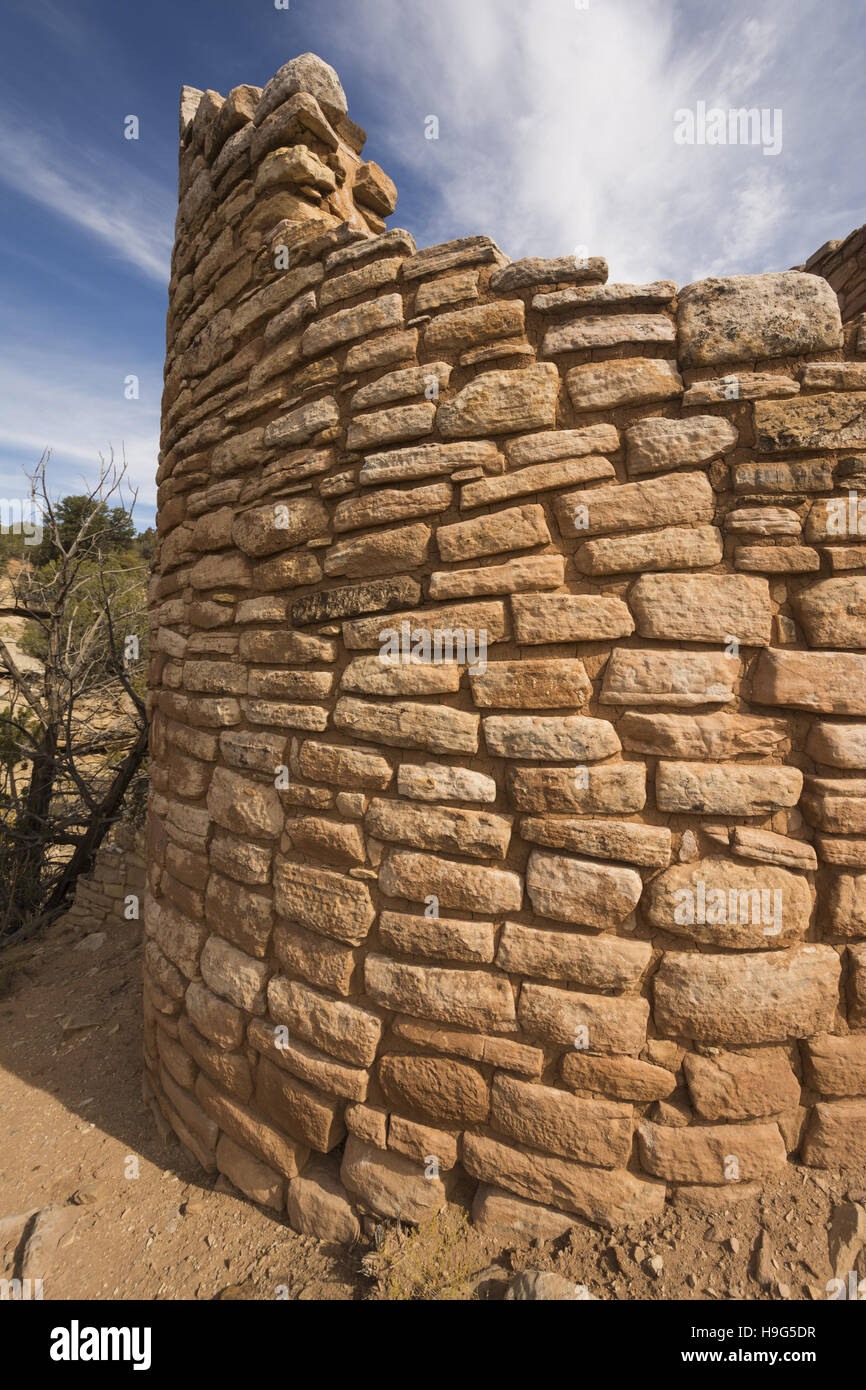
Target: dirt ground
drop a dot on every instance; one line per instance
(141, 1220)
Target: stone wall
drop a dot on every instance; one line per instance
(565, 906)
(843, 264)
(114, 889)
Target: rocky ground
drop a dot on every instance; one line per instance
(94, 1201)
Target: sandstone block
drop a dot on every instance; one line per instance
(600, 962)
(654, 446)
(503, 402)
(587, 1022)
(473, 998)
(703, 608)
(592, 1131)
(736, 1000)
(744, 318)
(389, 1184)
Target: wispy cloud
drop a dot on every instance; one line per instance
(557, 119)
(55, 399)
(127, 211)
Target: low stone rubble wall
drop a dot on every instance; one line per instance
(508, 700)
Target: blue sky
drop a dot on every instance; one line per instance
(556, 131)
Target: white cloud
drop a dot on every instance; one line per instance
(126, 210)
(556, 126)
(54, 399)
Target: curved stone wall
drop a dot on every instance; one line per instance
(508, 698)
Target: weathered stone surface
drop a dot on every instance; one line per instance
(552, 445)
(748, 317)
(365, 280)
(526, 573)
(840, 745)
(387, 504)
(473, 998)
(515, 529)
(388, 1183)
(830, 682)
(726, 789)
(470, 250)
(844, 905)
(436, 1086)
(301, 425)
(741, 386)
(241, 1123)
(531, 685)
(685, 498)
(401, 724)
(377, 596)
(776, 559)
(300, 1111)
(511, 1220)
(436, 634)
(634, 381)
(437, 938)
(580, 891)
(607, 1198)
(177, 937)
(438, 782)
(585, 296)
(454, 289)
(245, 918)
(326, 839)
(279, 525)
(801, 475)
(373, 675)
(833, 613)
(655, 446)
(391, 426)
(768, 848)
(234, 975)
(381, 552)
(672, 548)
(599, 962)
(465, 328)
(836, 805)
(405, 874)
(735, 1000)
(590, 1022)
(614, 788)
(569, 618)
(624, 1078)
(836, 1066)
(244, 806)
(255, 1179)
(592, 1131)
(647, 845)
(502, 403)
(836, 420)
(306, 73)
(703, 1155)
(342, 1029)
(729, 904)
(550, 738)
(538, 270)
(604, 331)
(374, 189)
(477, 834)
(703, 608)
(382, 351)
(316, 958)
(741, 1085)
(318, 1206)
(651, 677)
(324, 902)
(307, 1063)
(836, 1137)
(343, 765)
(539, 477)
(347, 325)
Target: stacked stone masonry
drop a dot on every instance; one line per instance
(569, 911)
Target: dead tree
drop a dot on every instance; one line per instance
(74, 732)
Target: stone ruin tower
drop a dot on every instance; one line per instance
(507, 833)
